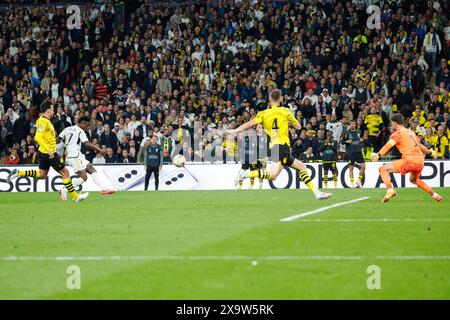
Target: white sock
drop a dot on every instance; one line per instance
(76, 182)
(98, 180)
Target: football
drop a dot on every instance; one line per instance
(179, 160)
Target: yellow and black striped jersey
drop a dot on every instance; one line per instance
(275, 122)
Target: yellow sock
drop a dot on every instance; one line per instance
(261, 173)
(306, 179)
(352, 180)
(360, 177)
(29, 173)
(253, 174)
(335, 180)
(68, 184)
(325, 181)
(252, 183)
(240, 183)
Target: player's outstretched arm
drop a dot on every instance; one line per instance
(427, 151)
(91, 146)
(388, 146)
(243, 127)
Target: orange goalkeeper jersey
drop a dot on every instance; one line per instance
(407, 143)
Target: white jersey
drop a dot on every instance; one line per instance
(73, 137)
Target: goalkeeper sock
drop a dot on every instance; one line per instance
(385, 177)
(68, 184)
(252, 183)
(422, 185)
(325, 181)
(29, 173)
(306, 179)
(335, 179)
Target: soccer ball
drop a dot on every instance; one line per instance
(179, 160)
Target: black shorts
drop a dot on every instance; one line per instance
(57, 162)
(261, 164)
(356, 157)
(329, 165)
(251, 166)
(282, 152)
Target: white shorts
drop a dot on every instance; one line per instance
(78, 164)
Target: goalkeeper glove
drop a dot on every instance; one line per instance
(433, 154)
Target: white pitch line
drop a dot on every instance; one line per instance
(304, 214)
(379, 220)
(218, 258)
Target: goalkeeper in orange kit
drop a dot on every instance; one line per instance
(412, 160)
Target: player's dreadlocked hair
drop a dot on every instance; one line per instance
(84, 119)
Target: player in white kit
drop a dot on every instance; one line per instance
(73, 137)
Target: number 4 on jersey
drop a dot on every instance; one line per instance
(275, 124)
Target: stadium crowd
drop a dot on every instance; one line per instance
(214, 64)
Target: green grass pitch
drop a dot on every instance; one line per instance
(225, 245)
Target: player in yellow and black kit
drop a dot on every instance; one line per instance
(275, 122)
(252, 153)
(247, 153)
(329, 150)
(46, 138)
(263, 150)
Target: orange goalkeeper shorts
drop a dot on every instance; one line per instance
(404, 166)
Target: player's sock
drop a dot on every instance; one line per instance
(261, 181)
(335, 179)
(98, 180)
(422, 185)
(360, 177)
(352, 181)
(252, 183)
(385, 177)
(304, 176)
(260, 173)
(69, 186)
(240, 183)
(325, 181)
(29, 173)
(76, 182)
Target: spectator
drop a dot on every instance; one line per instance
(433, 46)
(109, 138)
(308, 155)
(111, 157)
(13, 158)
(441, 144)
(374, 123)
(126, 157)
(219, 73)
(99, 159)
